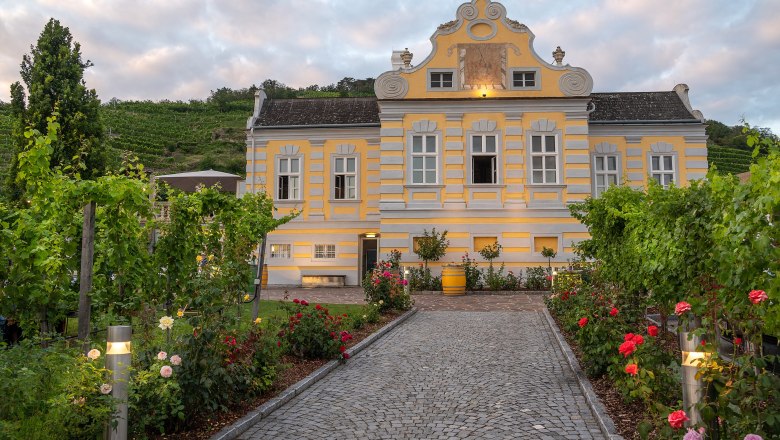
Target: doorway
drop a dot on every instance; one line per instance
(369, 252)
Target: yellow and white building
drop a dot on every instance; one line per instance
(483, 138)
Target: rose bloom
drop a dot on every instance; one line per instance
(652, 330)
(737, 341)
(105, 388)
(258, 320)
(753, 437)
(582, 322)
(342, 349)
(166, 323)
(162, 355)
(345, 355)
(638, 340)
(166, 371)
(93, 354)
(757, 296)
(632, 369)
(613, 312)
(627, 348)
(299, 315)
(296, 301)
(681, 308)
(304, 302)
(628, 337)
(246, 297)
(404, 282)
(176, 359)
(677, 418)
(180, 313)
(694, 435)
(318, 307)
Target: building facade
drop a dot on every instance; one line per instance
(483, 139)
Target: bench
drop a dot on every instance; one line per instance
(323, 280)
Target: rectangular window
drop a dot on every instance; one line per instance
(605, 172)
(484, 159)
(424, 159)
(662, 169)
(345, 178)
(324, 251)
(523, 79)
(482, 242)
(441, 80)
(281, 251)
(289, 180)
(544, 159)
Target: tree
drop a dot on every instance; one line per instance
(53, 75)
(431, 246)
(549, 254)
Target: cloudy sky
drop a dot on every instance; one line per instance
(727, 51)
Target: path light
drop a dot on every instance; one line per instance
(692, 359)
(118, 358)
(406, 277)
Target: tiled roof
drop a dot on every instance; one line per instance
(623, 106)
(318, 111)
(639, 106)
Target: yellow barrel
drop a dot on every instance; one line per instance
(264, 279)
(453, 280)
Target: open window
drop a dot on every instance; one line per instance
(484, 159)
(289, 178)
(345, 178)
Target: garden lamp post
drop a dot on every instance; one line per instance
(693, 389)
(118, 358)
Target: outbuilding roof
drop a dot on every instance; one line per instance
(639, 106)
(609, 107)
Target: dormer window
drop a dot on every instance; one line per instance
(441, 79)
(525, 79)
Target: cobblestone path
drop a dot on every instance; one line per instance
(441, 375)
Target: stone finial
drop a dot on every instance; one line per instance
(558, 56)
(406, 56)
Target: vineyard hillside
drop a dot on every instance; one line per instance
(165, 136)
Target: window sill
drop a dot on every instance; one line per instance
(344, 201)
(485, 185)
(547, 185)
(288, 202)
(423, 185)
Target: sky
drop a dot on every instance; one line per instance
(727, 51)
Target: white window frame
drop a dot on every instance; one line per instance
(425, 155)
(497, 166)
(599, 189)
(537, 78)
(279, 174)
(345, 158)
(544, 154)
(429, 80)
(284, 256)
(663, 171)
(325, 253)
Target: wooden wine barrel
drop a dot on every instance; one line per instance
(453, 280)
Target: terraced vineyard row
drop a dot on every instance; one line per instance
(729, 160)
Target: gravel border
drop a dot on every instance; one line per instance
(237, 428)
(599, 411)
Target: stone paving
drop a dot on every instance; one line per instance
(445, 375)
(355, 295)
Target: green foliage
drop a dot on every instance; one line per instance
(313, 332)
(491, 252)
(53, 75)
(472, 272)
(51, 393)
(537, 278)
(420, 278)
(155, 402)
(394, 258)
(431, 246)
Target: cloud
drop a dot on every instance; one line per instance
(727, 52)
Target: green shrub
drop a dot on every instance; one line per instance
(537, 278)
(420, 278)
(313, 333)
(51, 393)
(472, 272)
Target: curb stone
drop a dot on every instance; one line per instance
(606, 425)
(241, 425)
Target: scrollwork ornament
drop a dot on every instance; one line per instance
(391, 85)
(468, 11)
(576, 83)
(495, 11)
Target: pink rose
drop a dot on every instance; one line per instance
(404, 282)
(757, 296)
(162, 355)
(677, 418)
(681, 308)
(166, 371)
(176, 360)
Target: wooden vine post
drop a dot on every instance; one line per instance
(85, 281)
